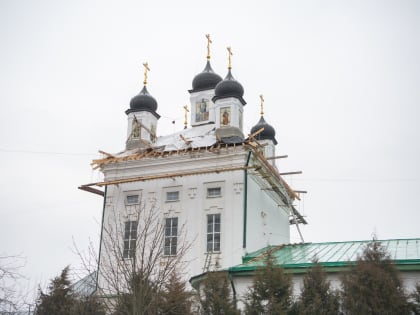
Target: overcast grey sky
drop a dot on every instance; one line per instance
(341, 85)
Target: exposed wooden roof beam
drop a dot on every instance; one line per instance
(277, 157)
(291, 173)
(166, 175)
(92, 190)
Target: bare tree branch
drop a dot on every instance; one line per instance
(119, 271)
(10, 266)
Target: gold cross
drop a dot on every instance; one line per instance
(185, 117)
(146, 68)
(208, 46)
(262, 104)
(230, 57)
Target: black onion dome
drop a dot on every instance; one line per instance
(229, 87)
(206, 80)
(267, 134)
(143, 102)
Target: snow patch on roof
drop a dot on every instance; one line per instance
(195, 137)
(199, 136)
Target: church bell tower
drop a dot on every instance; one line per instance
(142, 117)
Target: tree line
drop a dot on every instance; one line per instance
(371, 286)
(137, 277)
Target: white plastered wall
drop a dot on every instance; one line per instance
(267, 222)
(197, 97)
(147, 119)
(236, 111)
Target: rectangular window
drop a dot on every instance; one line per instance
(171, 236)
(172, 195)
(132, 199)
(213, 233)
(130, 237)
(214, 192)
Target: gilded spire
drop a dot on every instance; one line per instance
(230, 57)
(262, 105)
(208, 46)
(146, 68)
(185, 116)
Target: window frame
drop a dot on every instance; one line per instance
(127, 202)
(170, 241)
(213, 233)
(210, 195)
(172, 192)
(129, 239)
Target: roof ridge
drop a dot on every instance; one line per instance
(355, 241)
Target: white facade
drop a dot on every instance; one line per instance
(222, 199)
(267, 217)
(242, 284)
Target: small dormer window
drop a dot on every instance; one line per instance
(172, 196)
(214, 192)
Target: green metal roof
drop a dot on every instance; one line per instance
(334, 255)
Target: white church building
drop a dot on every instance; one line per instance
(216, 182)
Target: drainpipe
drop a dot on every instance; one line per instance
(245, 198)
(233, 288)
(100, 239)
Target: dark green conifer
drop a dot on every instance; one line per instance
(373, 285)
(216, 298)
(141, 298)
(415, 300)
(316, 297)
(176, 300)
(60, 299)
(271, 291)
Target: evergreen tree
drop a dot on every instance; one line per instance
(142, 297)
(175, 298)
(59, 299)
(216, 296)
(271, 291)
(373, 285)
(88, 305)
(415, 300)
(316, 297)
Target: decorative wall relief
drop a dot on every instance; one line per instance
(238, 187)
(192, 192)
